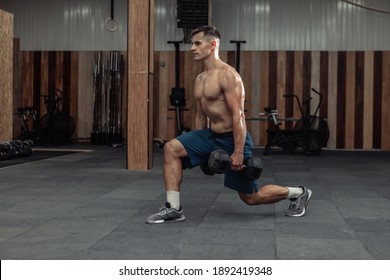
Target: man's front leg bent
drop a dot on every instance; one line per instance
(173, 174)
(173, 169)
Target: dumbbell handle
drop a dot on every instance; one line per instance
(206, 169)
(229, 167)
(227, 158)
(219, 162)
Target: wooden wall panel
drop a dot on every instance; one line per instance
(353, 84)
(160, 95)
(73, 72)
(359, 99)
(377, 102)
(44, 69)
(166, 124)
(26, 78)
(341, 98)
(368, 100)
(324, 83)
(298, 81)
(187, 82)
(272, 78)
(125, 96)
(6, 75)
(231, 58)
(349, 123)
(17, 97)
(332, 99)
(315, 80)
(193, 68)
(281, 85)
(171, 117)
(264, 98)
(307, 78)
(289, 89)
(84, 95)
(246, 75)
(385, 129)
(256, 94)
(44, 72)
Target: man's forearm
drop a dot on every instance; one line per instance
(239, 134)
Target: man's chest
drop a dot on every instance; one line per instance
(208, 88)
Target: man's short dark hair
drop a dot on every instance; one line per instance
(208, 30)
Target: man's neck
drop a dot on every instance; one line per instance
(212, 62)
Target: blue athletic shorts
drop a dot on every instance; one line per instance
(200, 143)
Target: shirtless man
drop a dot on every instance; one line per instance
(220, 124)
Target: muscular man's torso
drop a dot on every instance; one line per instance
(212, 99)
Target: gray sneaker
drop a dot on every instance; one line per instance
(166, 214)
(298, 205)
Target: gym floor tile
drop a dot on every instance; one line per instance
(244, 222)
(220, 252)
(379, 246)
(289, 248)
(88, 206)
(369, 225)
(318, 230)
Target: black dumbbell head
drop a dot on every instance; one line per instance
(253, 168)
(205, 168)
(219, 161)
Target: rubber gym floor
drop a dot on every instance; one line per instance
(87, 205)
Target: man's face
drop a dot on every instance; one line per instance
(201, 47)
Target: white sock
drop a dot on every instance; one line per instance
(294, 192)
(173, 198)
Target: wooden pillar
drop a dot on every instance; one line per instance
(6, 75)
(17, 96)
(140, 84)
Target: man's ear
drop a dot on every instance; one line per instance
(214, 43)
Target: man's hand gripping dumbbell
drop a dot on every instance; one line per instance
(219, 163)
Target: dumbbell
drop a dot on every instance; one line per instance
(219, 163)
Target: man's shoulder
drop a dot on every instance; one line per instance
(228, 73)
(201, 74)
(226, 69)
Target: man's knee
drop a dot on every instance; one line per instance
(247, 198)
(174, 148)
(168, 147)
